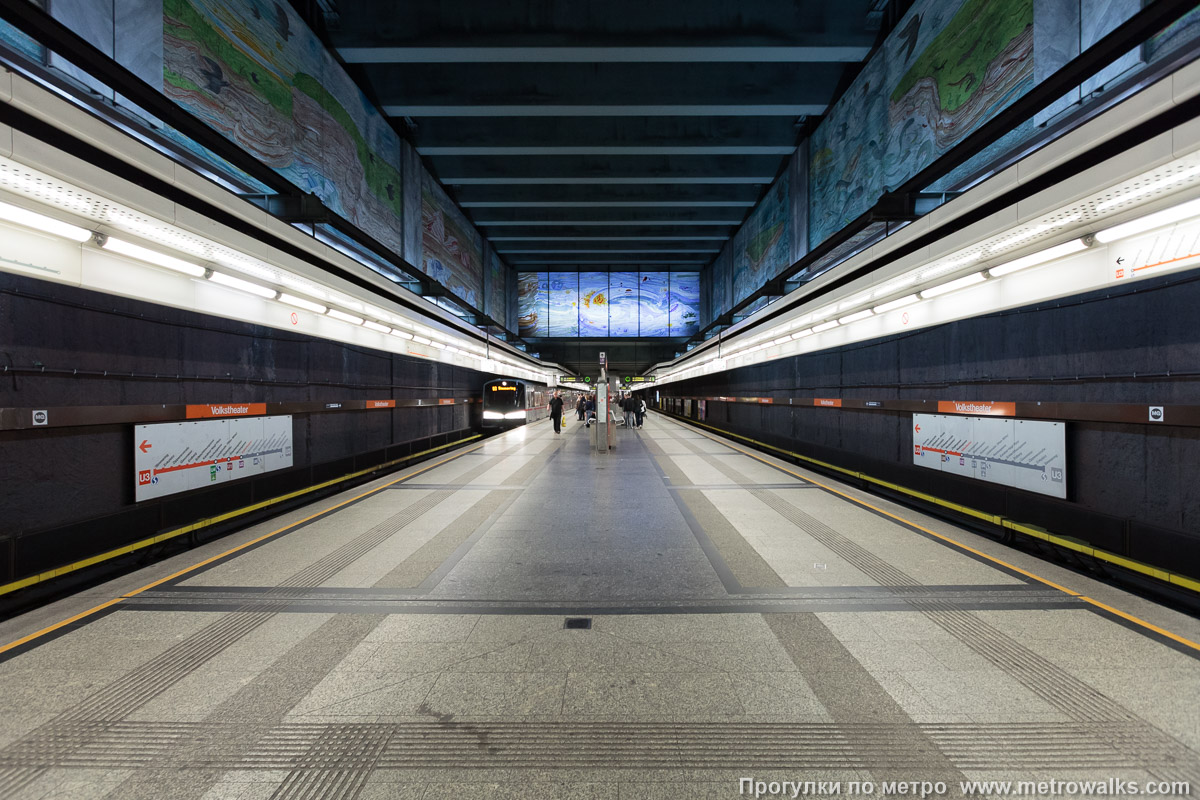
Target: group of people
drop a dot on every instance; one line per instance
(585, 408)
(635, 410)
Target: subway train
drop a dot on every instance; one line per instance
(508, 402)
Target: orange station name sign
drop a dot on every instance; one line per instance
(978, 408)
(218, 410)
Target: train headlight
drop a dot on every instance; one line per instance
(493, 415)
(515, 415)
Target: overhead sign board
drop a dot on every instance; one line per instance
(1021, 453)
(179, 456)
(572, 379)
(640, 379)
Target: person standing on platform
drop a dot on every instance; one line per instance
(580, 407)
(589, 408)
(556, 404)
(627, 404)
(641, 409)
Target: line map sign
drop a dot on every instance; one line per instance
(179, 456)
(1021, 453)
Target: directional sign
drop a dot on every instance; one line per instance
(179, 456)
(1021, 453)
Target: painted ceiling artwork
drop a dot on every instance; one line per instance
(253, 71)
(451, 249)
(496, 290)
(947, 85)
(642, 304)
(762, 246)
(944, 71)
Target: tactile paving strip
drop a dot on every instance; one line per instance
(313, 752)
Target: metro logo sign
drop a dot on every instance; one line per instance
(221, 410)
(978, 408)
(144, 477)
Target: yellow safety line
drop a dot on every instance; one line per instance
(1173, 579)
(194, 567)
(208, 521)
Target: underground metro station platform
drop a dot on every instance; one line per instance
(599, 400)
(742, 617)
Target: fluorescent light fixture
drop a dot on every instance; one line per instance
(802, 334)
(344, 317)
(154, 257)
(40, 222)
(1150, 222)
(953, 286)
(1149, 188)
(857, 300)
(420, 340)
(401, 334)
(895, 285)
(242, 286)
(892, 305)
(824, 326)
(300, 302)
(782, 340)
(375, 326)
(1064, 249)
(438, 345)
(856, 316)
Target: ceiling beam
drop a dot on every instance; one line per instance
(599, 180)
(741, 131)
(670, 223)
(514, 110)
(606, 238)
(603, 55)
(655, 150)
(737, 196)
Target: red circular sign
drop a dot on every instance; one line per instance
(295, 318)
(903, 318)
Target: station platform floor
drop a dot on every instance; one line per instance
(749, 620)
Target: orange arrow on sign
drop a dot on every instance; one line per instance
(145, 445)
(918, 429)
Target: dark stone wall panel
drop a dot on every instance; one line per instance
(59, 477)
(1141, 346)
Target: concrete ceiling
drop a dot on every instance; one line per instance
(581, 134)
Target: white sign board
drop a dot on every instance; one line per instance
(1020, 453)
(180, 456)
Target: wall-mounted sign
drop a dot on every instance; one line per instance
(222, 410)
(1021, 453)
(979, 408)
(828, 402)
(179, 456)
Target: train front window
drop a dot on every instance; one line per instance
(505, 397)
